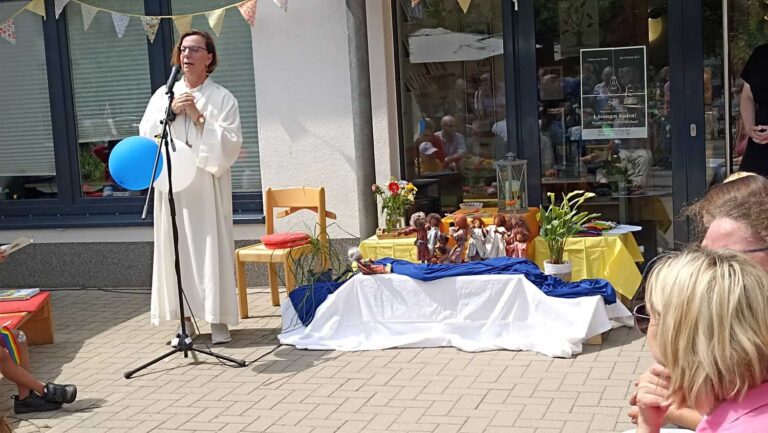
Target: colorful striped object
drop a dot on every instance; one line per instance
(8, 340)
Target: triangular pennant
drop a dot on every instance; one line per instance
(120, 22)
(88, 12)
(150, 25)
(58, 5)
(215, 20)
(464, 4)
(8, 30)
(248, 10)
(183, 23)
(283, 4)
(36, 6)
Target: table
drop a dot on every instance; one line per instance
(397, 248)
(610, 257)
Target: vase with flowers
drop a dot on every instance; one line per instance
(396, 196)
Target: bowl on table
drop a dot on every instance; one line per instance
(470, 205)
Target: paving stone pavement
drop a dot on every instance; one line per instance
(100, 334)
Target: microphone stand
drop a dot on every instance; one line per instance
(185, 344)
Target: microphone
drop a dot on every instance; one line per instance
(172, 79)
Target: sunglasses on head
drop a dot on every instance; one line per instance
(642, 318)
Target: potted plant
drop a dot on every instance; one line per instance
(558, 223)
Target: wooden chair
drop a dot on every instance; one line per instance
(291, 200)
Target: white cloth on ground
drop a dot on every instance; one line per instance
(203, 210)
(472, 313)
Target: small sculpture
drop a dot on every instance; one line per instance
(477, 237)
(365, 267)
(433, 232)
(459, 233)
(497, 237)
(418, 226)
(440, 254)
(517, 237)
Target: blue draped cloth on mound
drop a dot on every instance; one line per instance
(306, 299)
(551, 286)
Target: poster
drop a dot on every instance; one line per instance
(617, 106)
(579, 25)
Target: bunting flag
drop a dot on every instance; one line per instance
(216, 20)
(8, 30)
(464, 4)
(183, 23)
(88, 12)
(37, 6)
(283, 4)
(58, 5)
(120, 22)
(150, 25)
(248, 10)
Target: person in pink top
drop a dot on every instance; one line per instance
(708, 331)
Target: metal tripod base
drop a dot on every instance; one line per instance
(185, 346)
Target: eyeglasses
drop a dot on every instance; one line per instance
(192, 49)
(754, 250)
(642, 318)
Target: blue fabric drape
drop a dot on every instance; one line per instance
(306, 299)
(551, 286)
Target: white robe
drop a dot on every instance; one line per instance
(203, 210)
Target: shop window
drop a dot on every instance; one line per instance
(453, 106)
(110, 80)
(27, 165)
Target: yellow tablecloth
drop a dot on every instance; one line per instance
(610, 257)
(397, 248)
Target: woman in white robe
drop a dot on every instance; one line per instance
(208, 121)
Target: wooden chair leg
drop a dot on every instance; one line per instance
(242, 293)
(272, 273)
(290, 278)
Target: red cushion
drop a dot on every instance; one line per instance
(11, 321)
(29, 306)
(285, 240)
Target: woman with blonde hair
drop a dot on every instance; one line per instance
(706, 325)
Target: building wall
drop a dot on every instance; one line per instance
(301, 63)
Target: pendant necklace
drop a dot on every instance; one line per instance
(187, 121)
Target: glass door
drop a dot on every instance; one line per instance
(727, 45)
(604, 110)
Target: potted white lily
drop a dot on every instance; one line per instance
(558, 223)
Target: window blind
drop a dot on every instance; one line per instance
(26, 138)
(110, 75)
(235, 73)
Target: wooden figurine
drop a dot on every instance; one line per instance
(440, 254)
(477, 238)
(517, 237)
(433, 232)
(459, 233)
(418, 226)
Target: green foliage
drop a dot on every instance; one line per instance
(91, 168)
(560, 222)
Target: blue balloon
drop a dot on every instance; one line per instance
(130, 163)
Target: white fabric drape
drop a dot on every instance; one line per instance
(472, 313)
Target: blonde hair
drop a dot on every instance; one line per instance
(712, 332)
(738, 175)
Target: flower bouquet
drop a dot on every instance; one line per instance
(396, 197)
